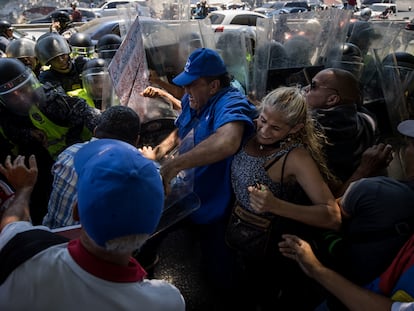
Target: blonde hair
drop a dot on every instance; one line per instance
(291, 102)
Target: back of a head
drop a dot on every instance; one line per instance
(119, 122)
(119, 192)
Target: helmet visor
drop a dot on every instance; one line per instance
(19, 94)
(97, 83)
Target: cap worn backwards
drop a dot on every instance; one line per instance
(119, 191)
(202, 62)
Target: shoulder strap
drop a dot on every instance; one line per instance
(24, 246)
(274, 160)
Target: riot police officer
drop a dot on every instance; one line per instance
(23, 49)
(59, 120)
(97, 88)
(107, 46)
(54, 51)
(82, 45)
(6, 34)
(61, 24)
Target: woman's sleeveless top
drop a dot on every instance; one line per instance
(249, 170)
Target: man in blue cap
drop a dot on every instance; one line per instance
(215, 117)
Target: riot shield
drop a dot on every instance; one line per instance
(190, 35)
(397, 81)
(291, 48)
(376, 40)
(235, 47)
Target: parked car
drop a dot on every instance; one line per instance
(87, 15)
(225, 20)
(377, 9)
(287, 11)
(269, 7)
(367, 3)
(296, 4)
(111, 7)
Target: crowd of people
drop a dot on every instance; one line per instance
(327, 226)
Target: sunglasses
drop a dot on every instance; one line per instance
(314, 86)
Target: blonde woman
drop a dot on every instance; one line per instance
(280, 173)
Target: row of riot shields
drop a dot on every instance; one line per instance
(288, 49)
(291, 48)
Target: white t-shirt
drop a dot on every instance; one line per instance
(402, 306)
(54, 280)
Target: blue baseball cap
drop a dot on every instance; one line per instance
(201, 63)
(120, 192)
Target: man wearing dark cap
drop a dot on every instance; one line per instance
(215, 117)
(119, 203)
(378, 216)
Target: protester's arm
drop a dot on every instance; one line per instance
(218, 146)
(22, 179)
(374, 159)
(354, 297)
(153, 92)
(159, 152)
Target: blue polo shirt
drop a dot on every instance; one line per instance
(212, 182)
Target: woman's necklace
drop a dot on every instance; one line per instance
(270, 146)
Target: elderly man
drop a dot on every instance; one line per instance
(119, 203)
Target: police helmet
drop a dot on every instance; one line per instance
(95, 78)
(351, 52)
(400, 59)
(5, 25)
(108, 45)
(81, 44)
(62, 17)
(399, 66)
(49, 46)
(19, 87)
(365, 14)
(22, 47)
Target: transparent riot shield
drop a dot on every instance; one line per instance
(181, 201)
(171, 9)
(235, 47)
(291, 48)
(190, 35)
(397, 81)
